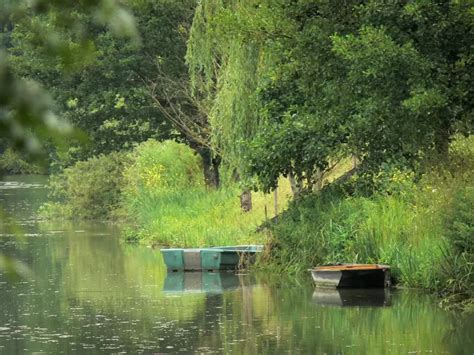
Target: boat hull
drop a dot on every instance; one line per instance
(210, 259)
(352, 276)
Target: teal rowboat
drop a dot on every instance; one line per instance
(210, 259)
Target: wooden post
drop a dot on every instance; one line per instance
(246, 200)
(275, 200)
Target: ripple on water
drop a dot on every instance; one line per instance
(15, 185)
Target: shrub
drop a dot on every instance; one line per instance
(89, 189)
(459, 221)
(13, 163)
(161, 167)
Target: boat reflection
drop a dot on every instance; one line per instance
(206, 282)
(350, 297)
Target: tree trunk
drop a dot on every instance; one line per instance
(295, 185)
(275, 200)
(210, 165)
(318, 180)
(245, 196)
(442, 141)
(355, 161)
(246, 200)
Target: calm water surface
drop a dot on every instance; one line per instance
(90, 294)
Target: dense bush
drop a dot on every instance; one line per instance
(96, 188)
(89, 189)
(13, 163)
(160, 167)
(460, 222)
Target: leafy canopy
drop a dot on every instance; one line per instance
(295, 85)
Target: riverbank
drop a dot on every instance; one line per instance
(419, 224)
(158, 194)
(92, 293)
(422, 226)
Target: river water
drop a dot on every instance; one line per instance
(89, 294)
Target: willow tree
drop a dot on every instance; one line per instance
(227, 58)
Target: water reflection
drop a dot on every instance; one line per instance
(90, 294)
(349, 297)
(208, 282)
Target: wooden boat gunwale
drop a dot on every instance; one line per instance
(344, 267)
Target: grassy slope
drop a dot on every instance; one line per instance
(193, 217)
(197, 217)
(424, 229)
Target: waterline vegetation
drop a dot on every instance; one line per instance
(422, 226)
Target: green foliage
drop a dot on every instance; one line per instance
(89, 189)
(460, 222)
(161, 168)
(458, 265)
(332, 228)
(423, 230)
(13, 163)
(421, 225)
(168, 203)
(225, 62)
(26, 111)
(303, 83)
(390, 178)
(96, 188)
(107, 93)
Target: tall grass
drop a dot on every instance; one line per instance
(196, 217)
(412, 224)
(330, 228)
(169, 204)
